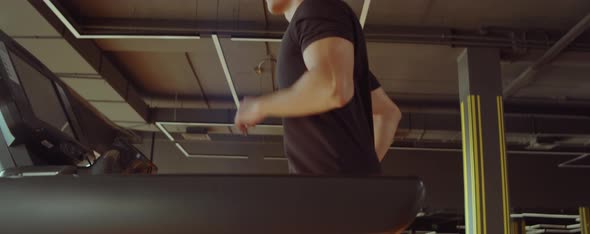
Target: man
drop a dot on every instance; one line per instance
(336, 118)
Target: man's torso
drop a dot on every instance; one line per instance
(339, 141)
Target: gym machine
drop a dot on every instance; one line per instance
(44, 190)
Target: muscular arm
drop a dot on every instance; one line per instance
(386, 117)
(327, 84)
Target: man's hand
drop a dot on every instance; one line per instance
(249, 114)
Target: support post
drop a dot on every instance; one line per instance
(518, 226)
(585, 220)
(484, 151)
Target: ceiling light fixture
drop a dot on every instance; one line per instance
(160, 125)
(549, 216)
(152, 37)
(365, 12)
(186, 154)
(247, 39)
(165, 131)
(76, 34)
(225, 68)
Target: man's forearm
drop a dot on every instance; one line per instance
(310, 95)
(385, 126)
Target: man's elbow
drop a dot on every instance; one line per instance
(395, 112)
(391, 112)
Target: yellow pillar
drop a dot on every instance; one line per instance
(585, 220)
(518, 226)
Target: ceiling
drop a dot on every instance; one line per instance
(122, 78)
(186, 73)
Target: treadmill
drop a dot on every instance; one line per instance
(60, 201)
(38, 131)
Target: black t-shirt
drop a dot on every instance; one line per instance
(339, 141)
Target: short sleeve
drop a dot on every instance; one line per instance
(373, 82)
(312, 28)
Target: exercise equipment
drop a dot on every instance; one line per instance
(212, 204)
(68, 201)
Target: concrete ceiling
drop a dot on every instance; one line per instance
(187, 73)
(398, 66)
(474, 14)
(453, 13)
(20, 19)
(240, 11)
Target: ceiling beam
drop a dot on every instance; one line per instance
(100, 61)
(529, 74)
(521, 124)
(492, 37)
(410, 103)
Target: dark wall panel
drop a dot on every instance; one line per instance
(441, 173)
(537, 182)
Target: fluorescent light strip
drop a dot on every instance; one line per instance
(163, 130)
(76, 34)
(545, 226)
(256, 39)
(62, 18)
(40, 173)
(230, 82)
(158, 37)
(424, 149)
(549, 216)
(572, 226)
(211, 124)
(160, 126)
(218, 156)
(567, 163)
(186, 154)
(275, 158)
(182, 149)
(196, 124)
(365, 12)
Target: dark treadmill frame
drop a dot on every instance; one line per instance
(19, 117)
(212, 204)
(22, 110)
